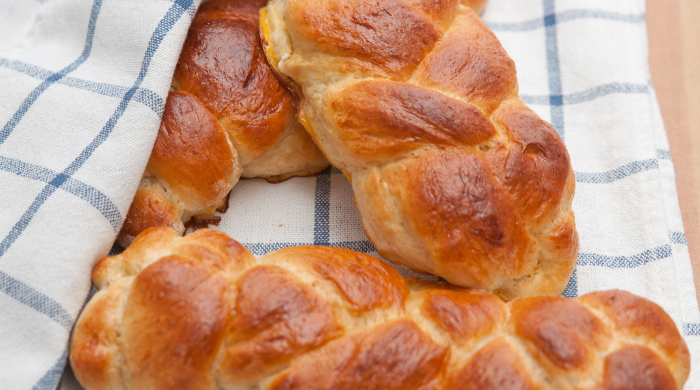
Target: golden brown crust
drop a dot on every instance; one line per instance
(467, 316)
(460, 213)
(149, 209)
(192, 168)
(223, 65)
(470, 62)
(535, 167)
(95, 354)
(364, 283)
(468, 221)
(192, 153)
(635, 315)
(179, 299)
(562, 334)
(388, 38)
(452, 173)
(227, 42)
(441, 11)
(216, 249)
(496, 366)
(638, 368)
(199, 312)
(229, 116)
(389, 356)
(238, 9)
(380, 121)
(269, 330)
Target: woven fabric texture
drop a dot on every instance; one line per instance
(84, 85)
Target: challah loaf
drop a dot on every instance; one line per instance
(417, 102)
(228, 117)
(200, 312)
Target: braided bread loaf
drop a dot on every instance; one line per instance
(199, 312)
(228, 117)
(417, 102)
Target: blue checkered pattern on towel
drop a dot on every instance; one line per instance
(84, 85)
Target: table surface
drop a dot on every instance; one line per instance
(674, 55)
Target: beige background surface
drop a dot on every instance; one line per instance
(674, 57)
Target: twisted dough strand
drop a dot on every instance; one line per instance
(417, 102)
(200, 312)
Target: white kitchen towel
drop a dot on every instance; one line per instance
(84, 84)
(83, 87)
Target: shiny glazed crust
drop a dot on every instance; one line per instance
(228, 116)
(200, 312)
(417, 102)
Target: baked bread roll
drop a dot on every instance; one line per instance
(200, 312)
(417, 102)
(228, 117)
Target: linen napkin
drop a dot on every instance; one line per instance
(85, 83)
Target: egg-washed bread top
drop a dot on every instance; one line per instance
(200, 312)
(417, 102)
(227, 117)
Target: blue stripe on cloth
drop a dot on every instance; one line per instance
(76, 187)
(35, 299)
(634, 261)
(53, 375)
(172, 16)
(617, 173)
(260, 249)
(166, 23)
(678, 238)
(34, 95)
(19, 290)
(29, 214)
(61, 361)
(587, 95)
(164, 26)
(553, 68)
(9, 285)
(322, 206)
(663, 154)
(571, 290)
(692, 329)
(116, 249)
(566, 16)
(364, 246)
(144, 96)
